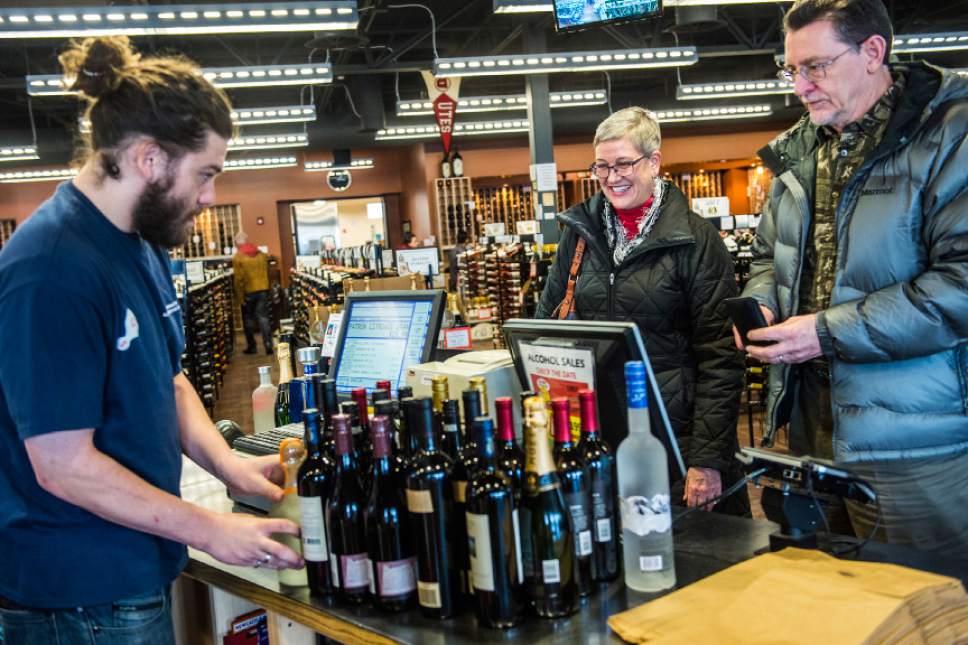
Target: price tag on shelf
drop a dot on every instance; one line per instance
(195, 272)
(457, 338)
(484, 313)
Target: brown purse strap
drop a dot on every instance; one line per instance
(567, 306)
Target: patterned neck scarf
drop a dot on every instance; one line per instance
(615, 232)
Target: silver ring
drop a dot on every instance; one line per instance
(257, 565)
(267, 558)
(779, 359)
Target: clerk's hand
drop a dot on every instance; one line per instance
(236, 538)
(767, 314)
(702, 485)
(254, 476)
(796, 341)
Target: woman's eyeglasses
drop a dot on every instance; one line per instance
(621, 168)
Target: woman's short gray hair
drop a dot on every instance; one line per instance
(636, 124)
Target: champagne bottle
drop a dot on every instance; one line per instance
(510, 457)
(493, 536)
(282, 394)
(576, 487)
(291, 454)
(429, 501)
(263, 401)
(344, 520)
(393, 572)
(643, 489)
(315, 481)
(601, 470)
(547, 538)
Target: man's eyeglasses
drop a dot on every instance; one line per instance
(813, 72)
(621, 168)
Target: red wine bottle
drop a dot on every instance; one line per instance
(430, 503)
(393, 572)
(314, 486)
(601, 470)
(576, 487)
(510, 457)
(493, 536)
(345, 520)
(464, 466)
(361, 442)
(451, 441)
(390, 409)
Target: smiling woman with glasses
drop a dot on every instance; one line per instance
(636, 252)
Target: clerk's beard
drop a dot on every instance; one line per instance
(161, 217)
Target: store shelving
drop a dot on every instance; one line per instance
(209, 335)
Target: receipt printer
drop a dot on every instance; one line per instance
(494, 365)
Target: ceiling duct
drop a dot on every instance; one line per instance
(691, 20)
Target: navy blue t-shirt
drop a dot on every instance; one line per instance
(92, 339)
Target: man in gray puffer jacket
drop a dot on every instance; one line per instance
(862, 258)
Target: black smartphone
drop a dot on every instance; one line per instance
(746, 315)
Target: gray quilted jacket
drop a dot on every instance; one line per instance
(896, 331)
(672, 286)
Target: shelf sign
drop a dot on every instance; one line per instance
(195, 272)
(457, 338)
(333, 326)
(711, 206)
(443, 93)
(555, 371)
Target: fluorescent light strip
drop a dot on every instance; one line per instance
(565, 62)
(535, 6)
(963, 72)
(460, 129)
(729, 89)
(266, 141)
(258, 163)
(713, 114)
(355, 164)
(18, 153)
(273, 114)
(140, 20)
(256, 76)
(504, 102)
(948, 41)
(51, 174)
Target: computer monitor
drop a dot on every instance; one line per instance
(580, 14)
(419, 260)
(609, 345)
(383, 333)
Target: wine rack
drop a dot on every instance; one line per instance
(209, 335)
(213, 233)
(507, 204)
(701, 183)
(6, 230)
(454, 214)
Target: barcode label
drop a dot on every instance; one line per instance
(585, 543)
(603, 530)
(313, 529)
(550, 571)
(650, 562)
(334, 570)
(428, 593)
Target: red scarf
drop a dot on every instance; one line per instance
(630, 218)
(249, 249)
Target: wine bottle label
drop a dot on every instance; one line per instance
(396, 577)
(451, 427)
(356, 570)
(550, 571)
(580, 522)
(479, 546)
(650, 562)
(603, 509)
(584, 543)
(369, 564)
(313, 529)
(334, 572)
(460, 492)
(603, 530)
(428, 594)
(516, 526)
(642, 515)
(419, 501)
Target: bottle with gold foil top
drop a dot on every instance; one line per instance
(479, 383)
(547, 535)
(282, 393)
(291, 455)
(440, 389)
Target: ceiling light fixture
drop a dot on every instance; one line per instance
(319, 166)
(504, 102)
(910, 43)
(18, 153)
(565, 62)
(258, 163)
(273, 114)
(714, 113)
(537, 6)
(51, 174)
(460, 129)
(265, 141)
(252, 76)
(141, 20)
(729, 89)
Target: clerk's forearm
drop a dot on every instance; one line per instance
(200, 440)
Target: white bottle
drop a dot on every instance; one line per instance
(291, 454)
(643, 489)
(264, 401)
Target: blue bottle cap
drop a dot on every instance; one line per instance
(635, 384)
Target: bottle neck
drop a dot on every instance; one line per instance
(314, 444)
(285, 373)
(639, 422)
(537, 456)
(265, 378)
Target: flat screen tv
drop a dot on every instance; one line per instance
(580, 14)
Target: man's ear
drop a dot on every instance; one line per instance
(873, 50)
(147, 159)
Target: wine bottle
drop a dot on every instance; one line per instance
(457, 164)
(510, 457)
(358, 395)
(601, 470)
(379, 395)
(309, 360)
(440, 390)
(451, 440)
(393, 574)
(643, 489)
(547, 538)
(576, 487)
(329, 405)
(363, 445)
(471, 398)
(384, 385)
(429, 501)
(291, 454)
(406, 439)
(445, 169)
(493, 536)
(282, 394)
(465, 464)
(479, 383)
(345, 520)
(404, 392)
(263, 401)
(315, 481)
(296, 399)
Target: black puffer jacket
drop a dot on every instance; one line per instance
(672, 286)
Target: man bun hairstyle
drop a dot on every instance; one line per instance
(854, 20)
(165, 98)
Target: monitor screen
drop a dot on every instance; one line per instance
(383, 333)
(578, 14)
(564, 355)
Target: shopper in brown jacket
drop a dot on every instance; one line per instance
(250, 267)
